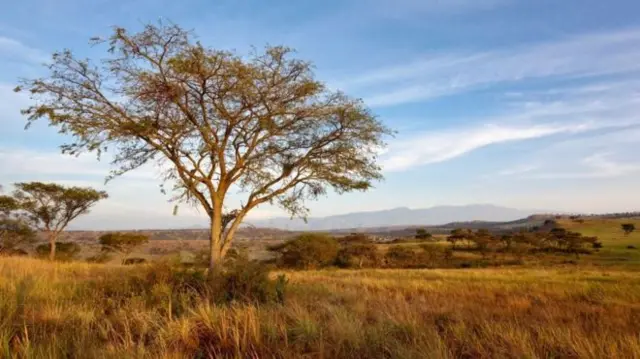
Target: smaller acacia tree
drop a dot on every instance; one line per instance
(14, 231)
(458, 235)
(123, 243)
(482, 239)
(628, 228)
(50, 207)
(422, 233)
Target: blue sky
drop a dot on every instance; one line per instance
(529, 104)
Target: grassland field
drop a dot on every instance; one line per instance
(543, 309)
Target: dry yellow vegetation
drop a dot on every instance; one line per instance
(78, 310)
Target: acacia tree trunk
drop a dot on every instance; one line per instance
(52, 246)
(215, 255)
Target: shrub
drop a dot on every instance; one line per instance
(628, 228)
(244, 282)
(14, 233)
(359, 256)
(423, 234)
(432, 251)
(435, 254)
(16, 252)
(248, 282)
(354, 238)
(235, 256)
(134, 260)
(123, 243)
(457, 235)
(65, 251)
(404, 257)
(310, 250)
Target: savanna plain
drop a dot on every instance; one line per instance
(487, 306)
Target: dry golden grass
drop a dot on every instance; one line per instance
(77, 310)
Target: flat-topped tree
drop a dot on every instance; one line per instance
(123, 243)
(14, 231)
(50, 207)
(261, 125)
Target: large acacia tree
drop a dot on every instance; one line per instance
(261, 125)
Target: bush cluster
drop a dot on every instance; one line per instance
(65, 251)
(550, 240)
(308, 251)
(312, 251)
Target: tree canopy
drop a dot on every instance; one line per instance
(261, 124)
(14, 231)
(50, 207)
(628, 228)
(122, 242)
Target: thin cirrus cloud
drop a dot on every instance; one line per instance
(20, 164)
(444, 74)
(611, 105)
(14, 50)
(440, 146)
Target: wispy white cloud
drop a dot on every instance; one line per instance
(23, 163)
(443, 74)
(568, 112)
(14, 50)
(439, 146)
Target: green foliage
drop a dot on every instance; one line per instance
(404, 257)
(65, 251)
(422, 233)
(50, 206)
(122, 242)
(358, 256)
(15, 232)
(457, 235)
(8, 205)
(628, 228)
(248, 282)
(236, 256)
(309, 250)
(507, 240)
(434, 252)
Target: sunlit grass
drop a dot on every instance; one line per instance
(81, 310)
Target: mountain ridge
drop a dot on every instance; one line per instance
(401, 216)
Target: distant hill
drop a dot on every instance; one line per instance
(403, 216)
